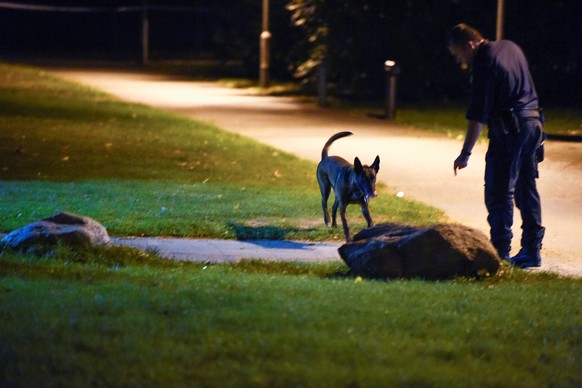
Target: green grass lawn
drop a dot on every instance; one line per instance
(121, 317)
(143, 172)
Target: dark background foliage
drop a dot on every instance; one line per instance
(355, 37)
(362, 34)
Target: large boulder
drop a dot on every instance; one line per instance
(440, 252)
(61, 228)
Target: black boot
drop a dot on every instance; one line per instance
(503, 251)
(527, 257)
(504, 254)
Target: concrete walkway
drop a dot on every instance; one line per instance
(229, 251)
(416, 163)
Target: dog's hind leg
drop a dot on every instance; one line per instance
(334, 213)
(325, 188)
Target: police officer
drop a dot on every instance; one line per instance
(503, 96)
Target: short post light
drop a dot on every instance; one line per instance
(392, 72)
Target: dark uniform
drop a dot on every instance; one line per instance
(503, 94)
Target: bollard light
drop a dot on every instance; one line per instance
(392, 72)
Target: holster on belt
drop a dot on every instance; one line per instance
(508, 121)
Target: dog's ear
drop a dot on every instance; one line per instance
(376, 164)
(358, 165)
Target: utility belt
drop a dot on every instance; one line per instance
(509, 121)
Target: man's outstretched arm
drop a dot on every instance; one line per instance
(474, 129)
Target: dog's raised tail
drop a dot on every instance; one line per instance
(338, 135)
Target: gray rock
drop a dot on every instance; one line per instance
(440, 252)
(63, 228)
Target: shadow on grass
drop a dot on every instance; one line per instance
(283, 244)
(263, 232)
(272, 237)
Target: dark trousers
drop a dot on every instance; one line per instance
(510, 173)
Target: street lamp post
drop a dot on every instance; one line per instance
(500, 19)
(265, 48)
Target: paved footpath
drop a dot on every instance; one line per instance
(416, 163)
(229, 251)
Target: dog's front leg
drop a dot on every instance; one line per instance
(366, 213)
(345, 223)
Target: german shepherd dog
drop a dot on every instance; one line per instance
(351, 184)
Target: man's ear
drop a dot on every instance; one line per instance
(358, 165)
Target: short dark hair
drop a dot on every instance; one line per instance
(463, 33)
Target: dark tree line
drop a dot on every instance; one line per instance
(352, 38)
(355, 37)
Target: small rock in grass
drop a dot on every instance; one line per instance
(61, 228)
